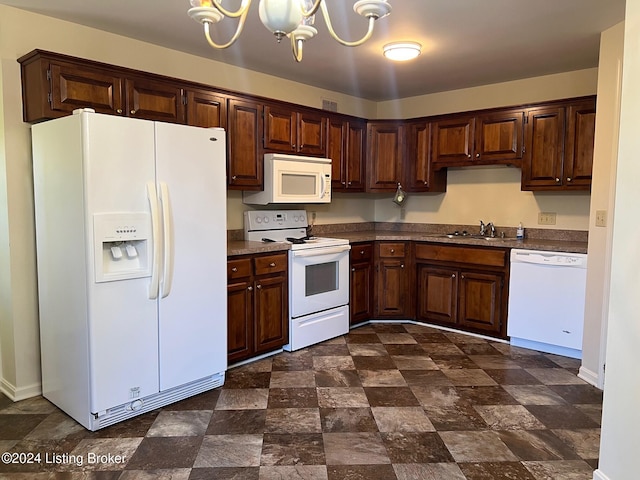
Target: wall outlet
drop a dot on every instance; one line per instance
(313, 216)
(546, 218)
(601, 218)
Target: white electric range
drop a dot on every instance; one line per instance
(318, 275)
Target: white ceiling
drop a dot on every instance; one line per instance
(466, 42)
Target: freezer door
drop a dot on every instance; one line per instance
(190, 165)
(123, 331)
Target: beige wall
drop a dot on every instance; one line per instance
(602, 198)
(491, 193)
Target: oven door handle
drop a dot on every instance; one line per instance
(316, 252)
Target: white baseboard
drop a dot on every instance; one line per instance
(589, 376)
(22, 393)
(598, 475)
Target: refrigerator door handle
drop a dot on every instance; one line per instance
(167, 225)
(152, 195)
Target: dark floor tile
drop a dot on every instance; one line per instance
(135, 427)
(578, 394)
(374, 363)
(292, 449)
(496, 471)
(237, 378)
(407, 349)
(161, 453)
(347, 420)
(431, 338)
(537, 445)
(510, 376)
(391, 397)
(225, 473)
(425, 377)
(361, 472)
(455, 362)
(389, 328)
(292, 398)
(478, 349)
(15, 427)
(561, 416)
(486, 395)
(204, 401)
(299, 360)
(460, 417)
(533, 361)
(363, 338)
(329, 349)
(225, 422)
(419, 447)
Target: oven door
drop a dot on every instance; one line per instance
(318, 279)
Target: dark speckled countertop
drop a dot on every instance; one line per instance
(570, 241)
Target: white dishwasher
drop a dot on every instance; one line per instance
(546, 301)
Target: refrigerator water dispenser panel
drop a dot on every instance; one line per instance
(122, 244)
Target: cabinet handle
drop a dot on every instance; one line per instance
(361, 252)
(343, 182)
(250, 288)
(348, 183)
(426, 183)
(272, 264)
(233, 178)
(453, 275)
(133, 112)
(477, 155)
(234, 269)
(461, 276)
(393, 251)
(402, 265)
(353, 269)
(119, 110)
(258, 286)
(469, 155)
(568, 179)
(557, 180)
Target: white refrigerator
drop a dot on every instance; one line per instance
(131, 245)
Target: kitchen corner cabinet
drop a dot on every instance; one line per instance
(489, 138)
(420, 176)
(257, 305)
(346, 149)
(462, 287)
(289, 131)
(384, 155)
(393, 280)
(559, 141)
(245, 168)
(54, 85)
(361, 286)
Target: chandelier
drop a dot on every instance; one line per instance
(285, 18)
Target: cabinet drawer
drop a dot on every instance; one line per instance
(493, 257)
(239, 268)
(271, 264)
(392, 249)
(361, 252)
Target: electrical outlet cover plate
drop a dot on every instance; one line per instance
(546, 218)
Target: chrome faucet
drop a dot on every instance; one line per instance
(482, 228)
(492, 229)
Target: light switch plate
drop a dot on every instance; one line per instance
(546, 218)
(601, 218)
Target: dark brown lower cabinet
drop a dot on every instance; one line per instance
(361, 283)
(257, 305)
(462, 287)
(393, 280)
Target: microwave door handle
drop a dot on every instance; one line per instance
(316, 252)
(322, 186)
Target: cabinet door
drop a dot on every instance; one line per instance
(75, 87)
(312, 134)
(206, 109)
(154, 100)
(437, 293)
(480, 301)
(239, 320)
(384, 156)
(544, 148)
(271, 313)
(361, 283)
(392, 289)
(420, 175)
(578, 155)
(279, 129)
(355, 156)
(336, 151)
(244, 152)
(499, 137)
(453, 141)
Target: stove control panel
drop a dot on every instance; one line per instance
(274, 219)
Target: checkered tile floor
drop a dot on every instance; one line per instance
(387, 401)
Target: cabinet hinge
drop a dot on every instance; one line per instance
(184, 96)
(48, 74)
(49, 98)
(524, 149)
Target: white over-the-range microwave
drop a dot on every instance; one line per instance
(293, 179)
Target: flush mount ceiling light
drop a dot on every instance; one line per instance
(401, 51)
(285, 18)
